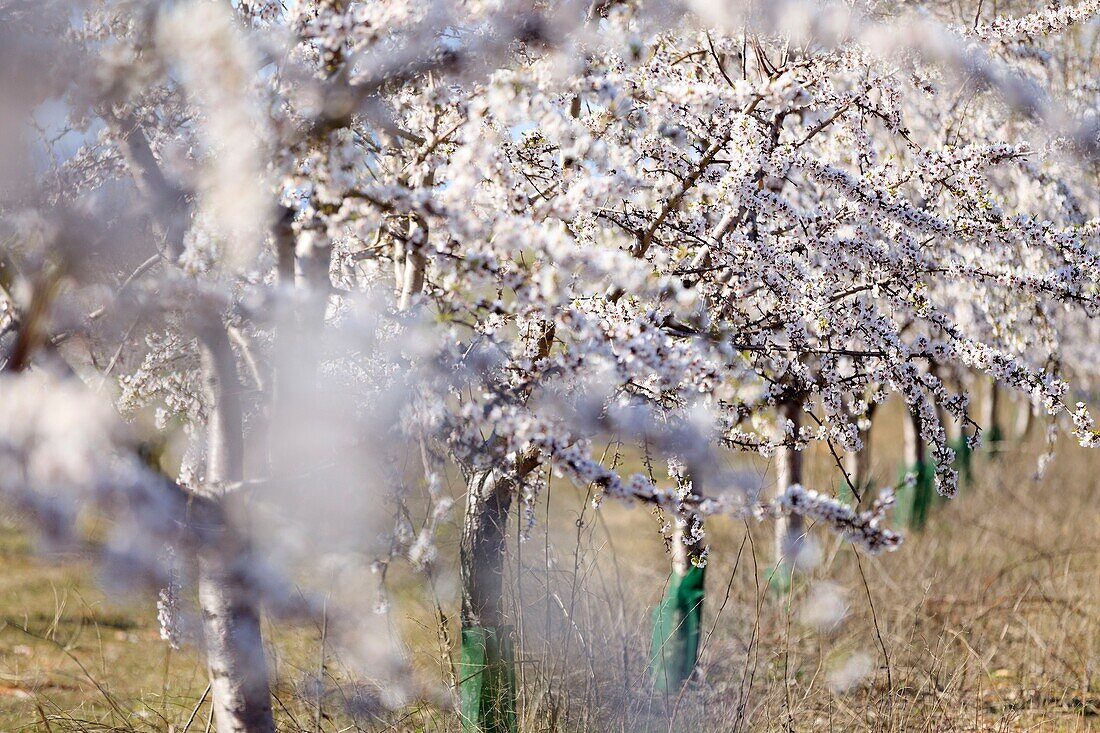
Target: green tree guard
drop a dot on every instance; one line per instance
(990, 421)
(677, 623)
(487, 680)
(780, 578)
(995, 441)
(915, 500)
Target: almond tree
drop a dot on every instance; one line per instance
(329, 241)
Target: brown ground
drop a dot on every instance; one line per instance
(987, 620)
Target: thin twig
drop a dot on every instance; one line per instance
(878, 631)
(195, 712)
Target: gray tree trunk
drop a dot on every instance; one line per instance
(483, 541)
(1025, 419)
(239, 689)
(790, 530)
(683, 552)
(990, 421)
(857, 464)
(914, 445)
(482, 548)
(234, 648)
(235, 655)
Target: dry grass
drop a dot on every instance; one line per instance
(988, 620)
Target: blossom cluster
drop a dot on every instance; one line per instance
(861, 528)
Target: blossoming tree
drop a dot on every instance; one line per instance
(309, 246)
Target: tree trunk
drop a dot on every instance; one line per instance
(409, 260)
(413, 273)
(857, 464)
(677, 620)
(413, 276)
(914, 446)
(487, 680)
(488, 499)
(231, 621)
(685, 549)
(915, 501)
(234, 648)
(1025, 419)
(790, 529)
(487, 669)
(990, 421)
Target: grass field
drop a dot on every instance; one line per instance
(987, 620)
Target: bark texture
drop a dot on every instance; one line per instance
(990, 421)
(234, 648)
(488, 500)
(239, 689)
(915, 452)
(790, 529)
(857, 464)
(683, 552)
